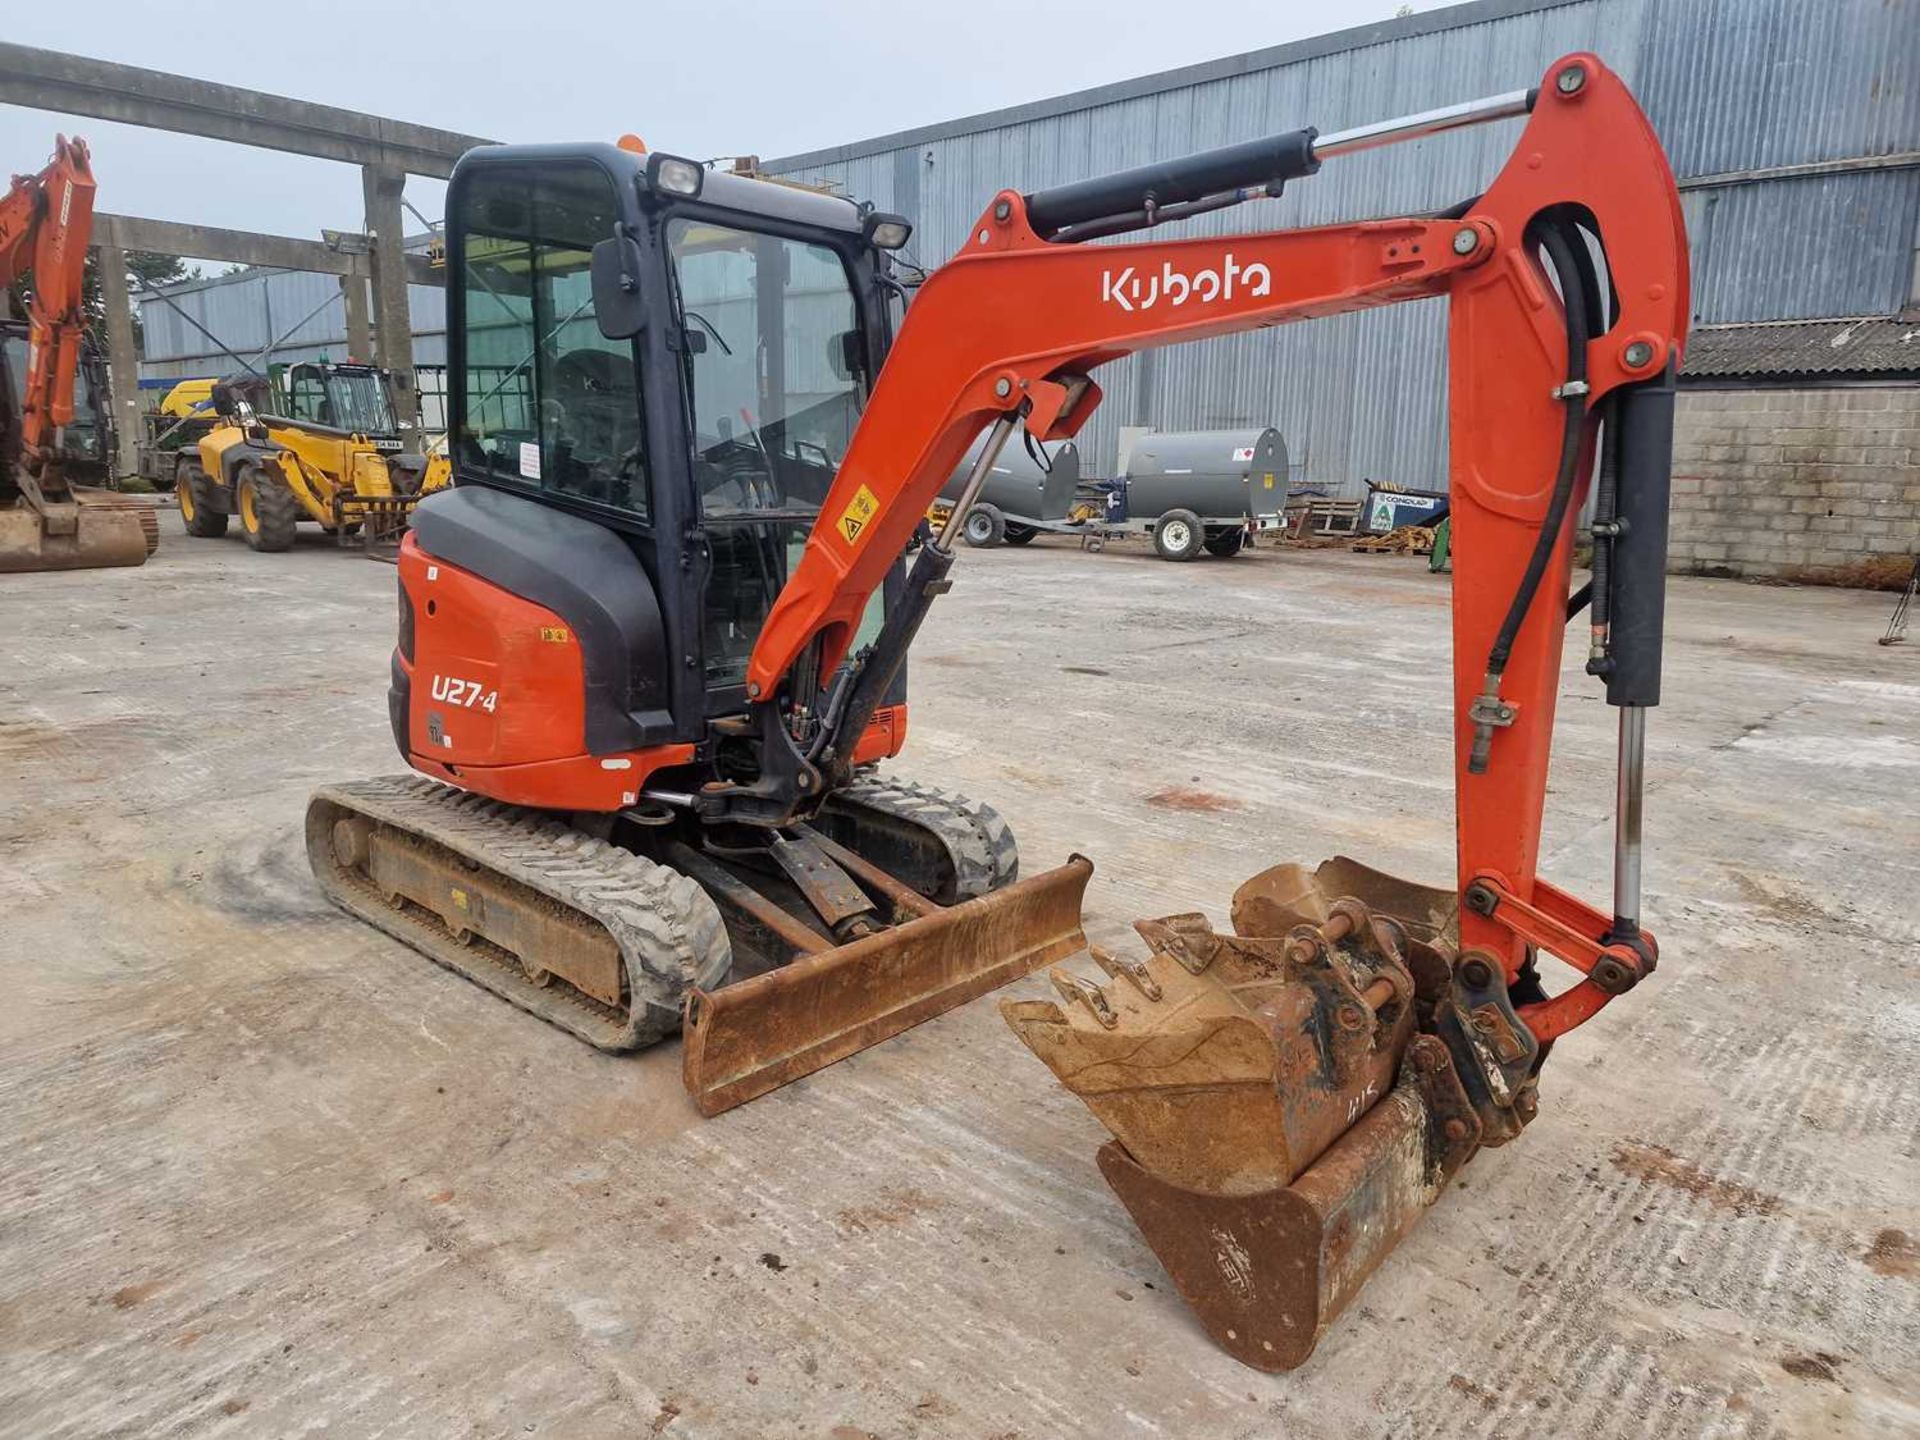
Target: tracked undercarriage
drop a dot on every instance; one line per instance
(784, 950)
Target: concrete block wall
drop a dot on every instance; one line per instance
(1815, 485)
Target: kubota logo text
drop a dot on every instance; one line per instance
(1175, 287)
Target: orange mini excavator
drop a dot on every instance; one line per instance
(653, 643)
(45, 522)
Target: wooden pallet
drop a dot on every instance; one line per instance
(1406, 540)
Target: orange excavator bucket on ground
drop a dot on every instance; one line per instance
(1287, 1100)
(95, 529)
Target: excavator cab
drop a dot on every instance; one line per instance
(656, 372)
(677, 357)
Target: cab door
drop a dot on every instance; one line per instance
(546, 405)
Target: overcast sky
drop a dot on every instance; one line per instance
(716, 77)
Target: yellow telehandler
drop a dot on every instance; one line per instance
(334, 458)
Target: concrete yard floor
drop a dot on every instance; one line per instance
(267, 1173)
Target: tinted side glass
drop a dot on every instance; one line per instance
(550, 402)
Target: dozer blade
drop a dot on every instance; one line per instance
(757, 1034)
(106, 532)
(1279, 1117)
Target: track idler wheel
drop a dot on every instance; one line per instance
(1279, 1119)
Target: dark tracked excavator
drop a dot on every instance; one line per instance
(48, 520)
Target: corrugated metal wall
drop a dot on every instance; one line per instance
(1731, 85)
(305, 313)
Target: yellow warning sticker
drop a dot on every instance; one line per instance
(1268, 478)
(554, 634)
(859, 512)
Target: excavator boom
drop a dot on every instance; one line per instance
(1286, 1100)
(1015, 324)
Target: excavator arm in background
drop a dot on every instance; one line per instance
(46, 224)
(1286, 1100)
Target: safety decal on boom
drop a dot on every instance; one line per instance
(859, 511)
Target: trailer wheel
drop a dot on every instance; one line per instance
(1179, 535)
(269, 512)
(986, 527)
(1019, 534)
(200, 508)
(1226, 543)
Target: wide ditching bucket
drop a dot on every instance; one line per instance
(1284, 1101)
(758, 1033)
(94, 530)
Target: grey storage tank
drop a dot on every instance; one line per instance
(1220, 475)
(1017, 486)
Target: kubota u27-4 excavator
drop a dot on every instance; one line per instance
(654, 638)
(45, 523)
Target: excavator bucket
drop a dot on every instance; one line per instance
(1285, 1102)
(104, 530)
(759, 1033)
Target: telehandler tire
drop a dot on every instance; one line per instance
(200, 508)
(269, 512)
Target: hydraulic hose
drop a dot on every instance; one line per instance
(1559, 240)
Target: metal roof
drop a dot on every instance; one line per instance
(1791, 127)
(1876, 347)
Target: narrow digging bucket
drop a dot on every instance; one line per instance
(106, 533)
(1267, 1273)
(756, 1035)
(1279, 1121)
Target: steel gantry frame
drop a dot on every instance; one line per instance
(386, 150)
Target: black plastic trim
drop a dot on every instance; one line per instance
(399, 703)
(585, 574)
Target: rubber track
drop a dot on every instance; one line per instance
(978, 841)
(669, 932)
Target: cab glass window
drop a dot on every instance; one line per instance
(774, 366)
(549, 402)
(307, 398)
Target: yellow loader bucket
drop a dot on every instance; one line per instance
(1287, 1100)
(757, 1034)
(97, 530)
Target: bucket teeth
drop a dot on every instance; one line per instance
(1074, 990)
(1124, 967)
(1188, 938)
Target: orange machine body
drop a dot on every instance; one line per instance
(46, 220)
(490, 696)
